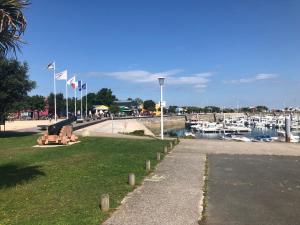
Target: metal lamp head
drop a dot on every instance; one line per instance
(161, 81)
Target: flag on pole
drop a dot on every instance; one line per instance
(74, 84)
(62, 75)
(71, 80)
(83, 87)
(51, 66)
(79, 85)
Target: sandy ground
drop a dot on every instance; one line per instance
(115, 127)
(26, 124)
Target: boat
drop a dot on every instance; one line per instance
(235, 137)
(281, 137)
(189, 134)
(262, 138)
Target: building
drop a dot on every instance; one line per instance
(128, 107)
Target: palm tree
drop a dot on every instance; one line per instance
(12, 25)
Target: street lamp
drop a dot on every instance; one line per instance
(161, 81)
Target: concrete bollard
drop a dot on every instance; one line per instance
(171, 146)
(165, 150)
(131, 179)
(158, 156)
(104, 202)
(148, 165)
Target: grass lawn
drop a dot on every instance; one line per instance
(63, 185)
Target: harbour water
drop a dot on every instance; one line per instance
(254, 133)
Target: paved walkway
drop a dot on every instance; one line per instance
(253, 189)
(171, 196)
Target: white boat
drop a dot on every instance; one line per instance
(238, 128)
(189, 134)
(232, 137)
(241, 138)
(281, 137)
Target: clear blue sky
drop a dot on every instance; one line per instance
(212, 52)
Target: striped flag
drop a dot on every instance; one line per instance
(62, 75)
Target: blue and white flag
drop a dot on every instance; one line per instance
(51, 66)
(79, 85)
(83, 87)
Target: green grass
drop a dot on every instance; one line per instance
(63, 185)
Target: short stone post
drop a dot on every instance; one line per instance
(104, 202)
(158, 156)
(131, 179)
(165, 150)
(148, 165)
(171, 146)
(177, 140)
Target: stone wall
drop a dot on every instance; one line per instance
(170, 122)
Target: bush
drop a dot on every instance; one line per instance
(138, 132)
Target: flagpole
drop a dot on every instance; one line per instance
(81, 101)
(54, 93)
(67, 102)
(86, 109)
(75, 101)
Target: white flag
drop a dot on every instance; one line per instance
(62, 75)
(71, 80)
(51, 66)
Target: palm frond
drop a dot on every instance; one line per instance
(12, 24)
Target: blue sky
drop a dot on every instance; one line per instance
(211, 52)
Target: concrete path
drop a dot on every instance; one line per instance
(171, 196)
(253, 189)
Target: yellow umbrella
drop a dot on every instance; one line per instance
(101, 107)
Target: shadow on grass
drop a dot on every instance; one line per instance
(8, 134)
(14, 174)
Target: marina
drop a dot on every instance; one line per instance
(243, 128)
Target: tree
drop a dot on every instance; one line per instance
(246, 109)
(60, 104)
(261, 108)
(105, 97)
(14, 83)
(37, 102)
(212, 109)
(138, 101)
(12, 24)
(172, 109)
(228, 110)
(91, 100)
(114, 109)
(149, 105)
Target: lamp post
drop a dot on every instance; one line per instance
(161, 83)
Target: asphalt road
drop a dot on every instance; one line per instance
(253, 189)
